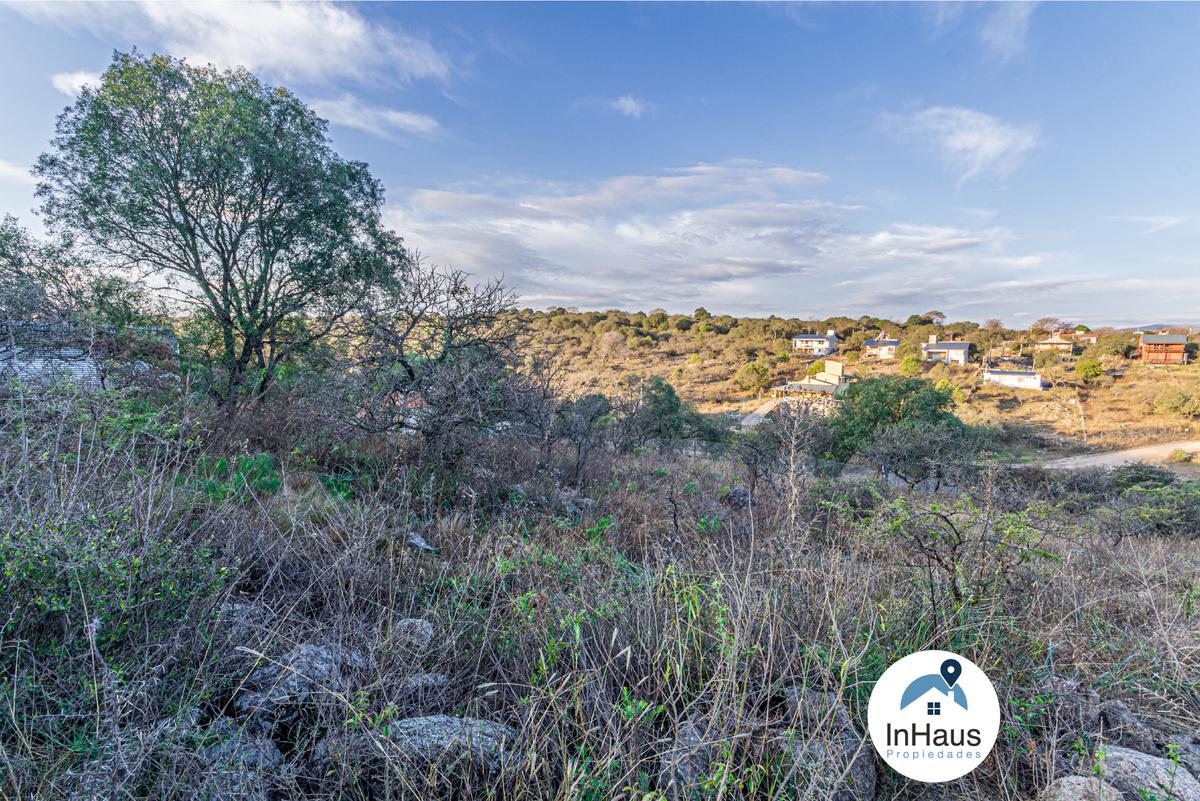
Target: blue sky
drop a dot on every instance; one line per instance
(987, 160)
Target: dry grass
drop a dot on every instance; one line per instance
(595, 632)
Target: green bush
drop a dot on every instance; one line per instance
(1177, 400)
(1045, 359)
(910, 366)
(1088, 370)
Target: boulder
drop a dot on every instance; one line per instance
(1142, 776)
(423, 685)
(280, 693)
(737, 498)
(689, 760)
(451, 744)
(1186, 748)
(414, 540)
(415, 633)
(1122, 727)
(240, 624)
(242, 767)
(1080, 788)
(1073, 708)
(825, 754)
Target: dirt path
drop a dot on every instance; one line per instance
(1149, 453)
(755, 417)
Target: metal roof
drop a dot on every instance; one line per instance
(946, 345)
(1164, 339)
(1011, 372)
(812, 336)
(876, 343)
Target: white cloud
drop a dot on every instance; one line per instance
(13, 174)
(743, 235)
(1005, 28)
(971, 143)
(1152, 223)
(314, 42)
(352, 112)
(72, 83)
(629, 106)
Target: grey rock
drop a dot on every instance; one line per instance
(1186, 748)
(423, 685)
(1142, 776)
(688, 762)
(1080, 788)
(415, 540)
(242, 624)
(242, 767)
(279, 693)
(826, 754)
(737, 498)
(452, 744)
(1122, 727)
(414, 632)
(1073, 708)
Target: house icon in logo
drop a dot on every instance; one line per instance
(945, 682)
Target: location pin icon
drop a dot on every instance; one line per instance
(951, 670)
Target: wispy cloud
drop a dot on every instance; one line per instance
(736, 234)
(352, 112)
(72, 83)
(1005, 28)
(313, 42)
(629, 106)
(971, 143)
(1152, 223)
(14, 174)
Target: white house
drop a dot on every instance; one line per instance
(1018, 379)
(881, 348)
(946, 352)
(826, 382)
(815, 344)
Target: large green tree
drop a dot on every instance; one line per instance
(870, 408)
(227, 187)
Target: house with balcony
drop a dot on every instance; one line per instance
(1163, 348)
(954, 353)
(884, 349)
(815, 344)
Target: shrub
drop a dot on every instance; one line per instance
(1045, 359)
(910, 366)
(1088, 370)
(753, 377)
(816, 367)
(1177, 400)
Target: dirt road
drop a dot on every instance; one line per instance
(755, 417)
(1150, 453)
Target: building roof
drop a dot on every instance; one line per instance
(1011, 372)
(812, 336)
(881, 343)
(1164, 339)
(1057, 339)
(946, 345)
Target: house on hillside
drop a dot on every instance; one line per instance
(826, 382)
(955, 353)
(1017, 379)
(881, 348)
(1082, 338)
(1163, 348)
(1056, 343)
(37, 353)
(815, 344)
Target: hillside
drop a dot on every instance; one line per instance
(701, 356)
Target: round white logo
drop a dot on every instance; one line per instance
(933, 716)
